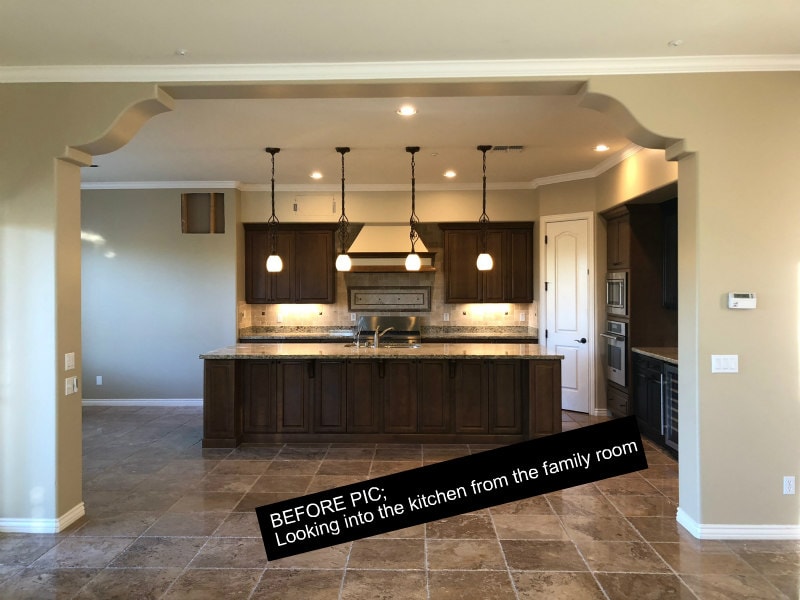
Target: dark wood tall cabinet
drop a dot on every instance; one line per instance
(308, 275)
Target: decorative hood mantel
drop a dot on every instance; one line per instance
(383, 248)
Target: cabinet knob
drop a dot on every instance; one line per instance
(581, 341)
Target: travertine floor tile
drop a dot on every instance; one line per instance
(174, 520)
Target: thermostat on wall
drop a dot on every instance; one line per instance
(741, 300)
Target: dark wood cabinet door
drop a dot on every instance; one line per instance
(470, 397)
(281, 284)
(518, 265)
(399, 391)
(617, 402)
(330, 396)
(293, 400)
(314, 266)
(258, 390)
(257, 286)
(669, 266)
(434, 397)
(220, 427)
(505, 402)
(647, 400)
(463, 281)
(496, 280)
(619, 242)
(363, 397)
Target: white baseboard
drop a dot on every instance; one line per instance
(43, 525)
(171, 402)
(737, 532)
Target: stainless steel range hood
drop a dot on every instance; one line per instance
(383, 248)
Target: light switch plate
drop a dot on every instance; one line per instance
(724, 363)
(69, 361)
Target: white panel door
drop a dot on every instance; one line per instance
(567, 307)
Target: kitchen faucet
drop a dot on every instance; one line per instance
(379, 334)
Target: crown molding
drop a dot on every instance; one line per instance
(484, 69)
(609, 163)
(160, 185)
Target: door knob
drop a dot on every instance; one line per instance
(582, 340)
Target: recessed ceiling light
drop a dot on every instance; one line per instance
(316, 175)
(601, 148)
(407, 110)
(450, 174)
(181, 51)
(675, 43)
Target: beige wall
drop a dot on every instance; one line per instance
(737, 233)
(738, 213)
(40, 427)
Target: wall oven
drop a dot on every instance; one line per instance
(617, 293)
(615, 337)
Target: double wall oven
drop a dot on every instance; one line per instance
(615, 337)
(616, 331)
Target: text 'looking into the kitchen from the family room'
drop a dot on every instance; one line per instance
(451, 487)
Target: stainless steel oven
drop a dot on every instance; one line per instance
(617, 293)
(615, 337)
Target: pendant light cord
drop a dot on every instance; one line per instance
(484, 218)
(413, 220)
(273, 222)
(344, 223)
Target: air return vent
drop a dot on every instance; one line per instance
(508, 148)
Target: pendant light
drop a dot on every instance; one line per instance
(343, 262)
(413, 262)
(274, 262)
(484, 262)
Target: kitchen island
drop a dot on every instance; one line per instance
(432, 393)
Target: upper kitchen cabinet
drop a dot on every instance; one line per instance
(619, 239)
(511, 248)
(308, 275)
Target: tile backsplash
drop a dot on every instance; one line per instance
(339, 315)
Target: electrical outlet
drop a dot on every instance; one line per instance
(99, 380)
(446, 316)
(522, 316)
(353, 317)
(70, 385)
(788, 485)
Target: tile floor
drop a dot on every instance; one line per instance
(166, 519)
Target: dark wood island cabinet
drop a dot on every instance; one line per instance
(494, 393)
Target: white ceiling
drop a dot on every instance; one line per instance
(377, 40)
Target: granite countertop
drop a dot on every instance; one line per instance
(344, 351)
(666, 353)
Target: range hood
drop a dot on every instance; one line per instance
(383, 248)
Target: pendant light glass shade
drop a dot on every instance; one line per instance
(484, 261)
(274, 262)
(343, 262)
(413, 262)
